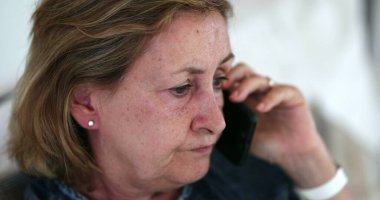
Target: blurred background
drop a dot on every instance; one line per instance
(330, 49)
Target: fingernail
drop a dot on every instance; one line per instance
(261, 107)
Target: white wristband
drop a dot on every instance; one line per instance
(328, 189)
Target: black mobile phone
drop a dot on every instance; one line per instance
(236, 138)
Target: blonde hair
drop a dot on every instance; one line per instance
(73, 43)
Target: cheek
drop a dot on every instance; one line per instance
(168, 124)
(155, 126)
(219, 98)
(146, 135)
(162, 134)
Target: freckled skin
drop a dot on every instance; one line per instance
(146, 135)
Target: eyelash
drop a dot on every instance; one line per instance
(218, 82)
(183, 90)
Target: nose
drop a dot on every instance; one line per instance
(209, 117)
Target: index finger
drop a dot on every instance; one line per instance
(236, 74)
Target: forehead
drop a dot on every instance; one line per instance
(192, 39)
(193, 30)
(192, 24)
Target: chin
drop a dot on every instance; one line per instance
(203, 169)
(193, 172)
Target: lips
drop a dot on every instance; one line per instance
(205, 149)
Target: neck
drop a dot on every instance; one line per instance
(101, 189)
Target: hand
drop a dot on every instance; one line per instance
(285, 133)
(284, 123)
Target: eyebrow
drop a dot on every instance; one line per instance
(194, 70)
(227, 58)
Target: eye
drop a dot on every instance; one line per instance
(181, 91)
(217, 83)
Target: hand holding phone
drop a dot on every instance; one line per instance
(236, 138)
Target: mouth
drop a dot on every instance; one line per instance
(204, 150)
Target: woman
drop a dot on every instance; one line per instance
(123, 99)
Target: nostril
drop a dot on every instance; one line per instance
(208, 131)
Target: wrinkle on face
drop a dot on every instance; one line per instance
(148, 132)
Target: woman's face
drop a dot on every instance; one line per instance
(161, 124)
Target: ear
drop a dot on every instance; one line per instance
(82, 108)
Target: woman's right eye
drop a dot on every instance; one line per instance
(181, 91)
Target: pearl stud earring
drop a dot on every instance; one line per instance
(90, 123)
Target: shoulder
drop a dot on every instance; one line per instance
(45, 188)
(256, 179)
